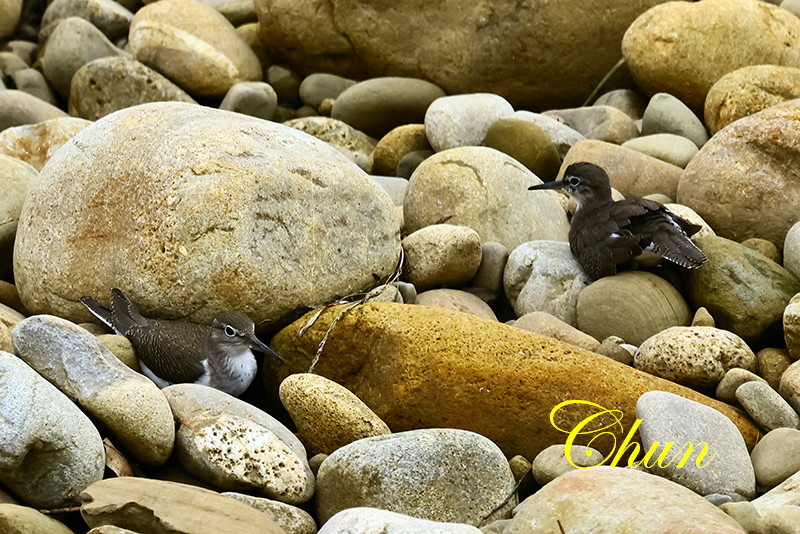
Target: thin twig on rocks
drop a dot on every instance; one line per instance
(55, 511)
(605, 79)
(355, 300)
(505, 501)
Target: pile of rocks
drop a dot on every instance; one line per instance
(273, 157)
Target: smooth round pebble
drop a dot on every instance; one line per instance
(286, 84)
(791, 250)
(562, 135)
(317, 87)
(290, 518)
(615, 348)
(665, 114)
(419, 473)
(494, 257)
(627, 100)
(544, 276)
(695, 356)
(726, 389)
(378, 105)
(34, 83)
(16, 176)
(772, 363)
(121, 347)
(486, 190)
(673, 149)
(410, 161)
(463, 120)
(552, 462)
(16, 519)
(441, 255)
(396, 144)
(632, 305)
(257, 99)
(108, 16)
(453, 299)
(11, 11)
(776, 456)
(327, 416)
(526, 143)
(766, 407)
(764, 247)
(18, 108)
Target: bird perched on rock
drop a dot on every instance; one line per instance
(604, 234)
(173, 352)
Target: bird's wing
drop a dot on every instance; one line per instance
(124, 314)
(669, 235)
(173, 351)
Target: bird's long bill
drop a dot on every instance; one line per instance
(555, 184)
(256, 343)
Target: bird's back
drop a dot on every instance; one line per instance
(173, 350)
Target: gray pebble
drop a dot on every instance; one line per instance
(626, 100)
(767, 408)
(776, 456)
(726, 389)
(667, 114)
(321, 86)
(257, 99)
(409, 162)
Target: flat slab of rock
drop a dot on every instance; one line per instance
(50, 450)
(147, 505)
(224, 193)
(489, 372)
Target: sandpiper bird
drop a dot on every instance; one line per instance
(604, 233)
(172, 352)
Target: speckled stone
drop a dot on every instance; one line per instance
(767, 408)
(552, 462)
(668, 418)
(418, 473)
(726, 389)
(772, 363)
(695, 356)
(235, 446)
(776, 456)
(290, 518)
(327, 415)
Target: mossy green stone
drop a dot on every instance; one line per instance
(526, 143)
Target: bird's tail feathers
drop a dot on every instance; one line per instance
(124, 312)
(681, 250)
(99, 311)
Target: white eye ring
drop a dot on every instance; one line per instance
(574, 181)
(230, 331)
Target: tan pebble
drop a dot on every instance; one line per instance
(767, 248)
(327, 415)
(703, 318)
(772, 363)
(122, 349)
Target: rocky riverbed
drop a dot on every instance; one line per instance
(354, 176)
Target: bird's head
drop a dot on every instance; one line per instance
(237, 331)
(584, 181)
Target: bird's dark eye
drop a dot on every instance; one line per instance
(574, 181)
(230, 331)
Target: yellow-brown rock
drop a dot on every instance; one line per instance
(749, 90)
(419, 367)
(396, 144)
(327, 415)
(683, 48)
